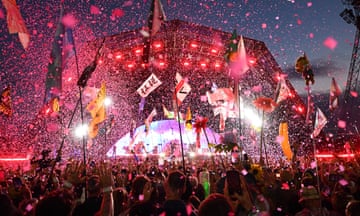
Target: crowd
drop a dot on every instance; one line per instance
(125, 186)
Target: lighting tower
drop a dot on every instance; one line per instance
(351, 15)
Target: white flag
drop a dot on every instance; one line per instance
(182, 89)
(320, 122)
(148, 86)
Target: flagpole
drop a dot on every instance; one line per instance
(180, 133)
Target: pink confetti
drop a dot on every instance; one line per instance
(330, 43)
(341, 124)
(117, 13)
(203, 98)
(279, 139)
(309, 4)
(247, 14)
(94, 10)
(2, 15)
(263, 26)
(127, 3)
(50, 24)
(313, 164)
(299, 22)
(354, 93)
(69, 20)
(343, 182)
(311, 35)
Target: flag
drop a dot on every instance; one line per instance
(231, 51)
(149, 119)
(320, 122)
(188, 119)
(282, 91)
(167, 113)
(5, 102)
(96, 107)
(148, 86)
(86, 74)
(156, 17)
(285, 145)
(62, 48)
(182, 89)
(141, 105)
(335, 92)
(15, 22)
(240, 66)
(110, 125)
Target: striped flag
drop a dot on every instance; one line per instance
(15, 22)
(320, 122)
(156, 17)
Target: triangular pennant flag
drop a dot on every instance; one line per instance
(241, 65)
(284, 136)
(148, 86)
(282, 91)
(5, 102)
(335, 92)
(15, 22)
(320, 122)
(188, 119)
(156, 17)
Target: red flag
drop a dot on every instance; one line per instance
(5, 102)
(320, 122)
(15, 22)
(335, 92)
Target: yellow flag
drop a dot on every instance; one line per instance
(285, 145)
(97, 110)
(188, 121)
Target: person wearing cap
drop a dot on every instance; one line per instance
(311, 202)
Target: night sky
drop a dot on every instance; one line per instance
(288, 27)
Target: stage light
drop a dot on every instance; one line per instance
(100, 61)
(324, 155)
(107, 101)
(158, 45)
(81, 130)
(214, 51)
(203, 64)
(186, 63)
(252, 60)
(138, 51)
(118, 56)
(194, 45)
(130, 65)
(217, 65)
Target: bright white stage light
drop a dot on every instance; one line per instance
(107, 101)
(81, 130)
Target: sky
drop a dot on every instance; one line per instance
(288, 28)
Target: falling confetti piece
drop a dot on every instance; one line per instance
(330, 43)
(69, 21)
(354, 93)
(341, 124)
(94, 10)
